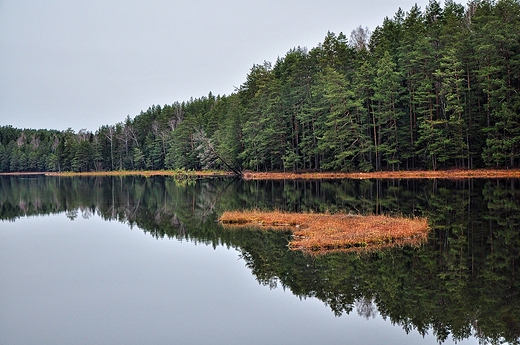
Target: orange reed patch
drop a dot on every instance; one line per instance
(323, 232)
(421, 174)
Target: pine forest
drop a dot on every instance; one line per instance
(428, 89)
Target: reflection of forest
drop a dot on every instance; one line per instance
(463, 282)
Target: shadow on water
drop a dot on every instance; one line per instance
(463, 282)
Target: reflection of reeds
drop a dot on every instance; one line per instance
(324, 232)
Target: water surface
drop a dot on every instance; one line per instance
(135, 260)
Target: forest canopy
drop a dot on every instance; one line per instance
(434, 89)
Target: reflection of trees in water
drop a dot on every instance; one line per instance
(464, 282)
(127, 198)
(366, 307)
(135, 200)
(349, 196)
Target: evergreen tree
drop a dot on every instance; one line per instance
(386, 112)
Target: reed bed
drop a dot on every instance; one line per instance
(249, 175)
(418, 174)
(324, 232)
(145, 173)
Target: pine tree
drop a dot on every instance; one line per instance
(386, 112)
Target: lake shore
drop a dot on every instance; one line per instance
(250, 175)
(412, 174)
(145, 173)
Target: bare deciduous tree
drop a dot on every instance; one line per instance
(21, 140)
(82, 135)
(177, 117)
(109, 134)
(366, 308)
(35, 142)
(360, 37)
(470, 12)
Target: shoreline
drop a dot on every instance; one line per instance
(412, 174)
(249, 175)
(145, 173)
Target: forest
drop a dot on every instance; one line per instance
(437, 88)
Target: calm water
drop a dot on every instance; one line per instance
(136, 260)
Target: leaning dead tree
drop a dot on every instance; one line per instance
(208, 154)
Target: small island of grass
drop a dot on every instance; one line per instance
(324, 232)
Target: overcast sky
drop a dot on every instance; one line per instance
(83, 64)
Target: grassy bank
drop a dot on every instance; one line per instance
(418, 174)
(250, 175)
(146, 173)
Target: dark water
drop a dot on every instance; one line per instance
(143, 260)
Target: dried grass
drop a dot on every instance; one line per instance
(323, 232)
(145, 173)
(420, 174)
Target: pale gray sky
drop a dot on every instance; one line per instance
(83, 64)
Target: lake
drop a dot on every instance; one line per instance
(134, 260)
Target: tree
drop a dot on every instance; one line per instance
(386, 112)
(360, 38)
(497, 43)
(83, 157)
(343, 139)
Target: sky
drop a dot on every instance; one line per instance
(83, 64)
